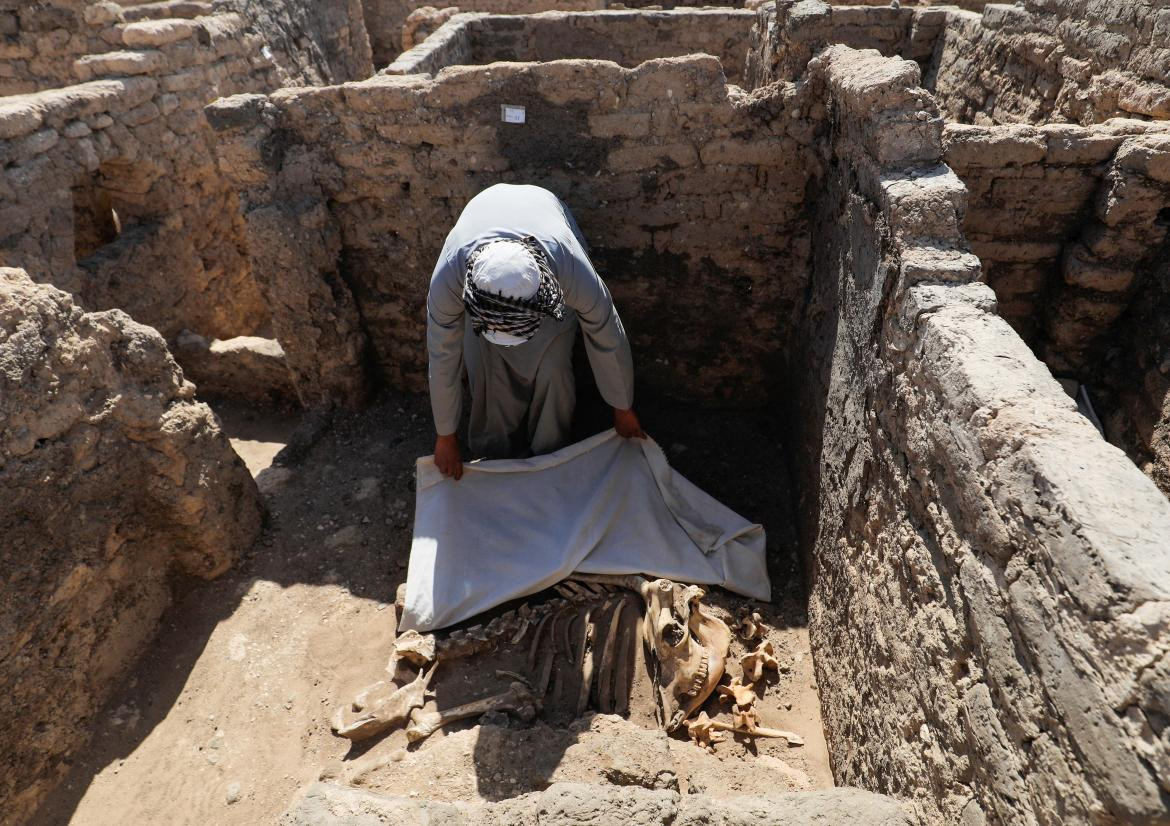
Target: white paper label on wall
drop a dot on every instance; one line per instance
(511, 114)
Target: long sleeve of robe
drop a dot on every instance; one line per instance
(511, 211)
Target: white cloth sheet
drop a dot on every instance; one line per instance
(606, 505)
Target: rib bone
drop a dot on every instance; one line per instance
(517, 699)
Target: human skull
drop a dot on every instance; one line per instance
(688, 647)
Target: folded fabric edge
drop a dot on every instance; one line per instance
(428, 474)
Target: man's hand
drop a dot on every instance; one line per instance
(626, 423)
(447, 458)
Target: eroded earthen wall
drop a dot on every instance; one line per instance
(625, 37)
(42, 41)
(130, 148)
(311, 43)
(789, 32)
(1070, 220)
(1066, 220)
(989, 577)
(690, 192)
(39, 41)
(110, 187)
(114, 480)
(1055, 60)
(387, 20)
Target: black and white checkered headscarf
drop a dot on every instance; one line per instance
(519, 317)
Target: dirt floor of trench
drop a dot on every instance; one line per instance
(226, 717)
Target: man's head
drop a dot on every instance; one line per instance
(508, 290)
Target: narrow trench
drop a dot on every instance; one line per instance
(235, 697)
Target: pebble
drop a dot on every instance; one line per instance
(233, 793)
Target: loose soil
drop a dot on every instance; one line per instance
(226, 717)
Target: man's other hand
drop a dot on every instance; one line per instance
(626, 423)
(447, 457)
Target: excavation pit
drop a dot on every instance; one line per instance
(832, 242)
(259, 659)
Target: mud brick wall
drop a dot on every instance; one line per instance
(40, 40)
(1070, 223)
(1055, 60)
(1047, 229)
(690, 192)
(133, 140)
(625, 37)
(311, 43)
(110, 186)
(115, 482)
(385, 18)
(789, 32)
(989, 577)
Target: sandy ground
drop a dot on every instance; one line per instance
(256, 434)
(226, 717)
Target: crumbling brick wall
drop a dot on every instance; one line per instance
(788, 33)
(311, 43)
(40, 40)
(1065, 223)
(1055, 60)
(625, 37)
(1069, 219)
(134, 134)
(386, 19)
(111, 186)
(115, 480)
(690, 192)
(989, 577)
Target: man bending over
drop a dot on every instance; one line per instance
(511, 287)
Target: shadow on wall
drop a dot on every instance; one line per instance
(695, 213)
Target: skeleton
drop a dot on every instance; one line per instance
(593, 625)
(689, 645)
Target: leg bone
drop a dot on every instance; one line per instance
(517, 699)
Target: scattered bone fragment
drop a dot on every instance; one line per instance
(705, 731)
(755, 662)
(416, 647)
(381, 707)
(752, 626)
(517, 700)
(742, 695)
